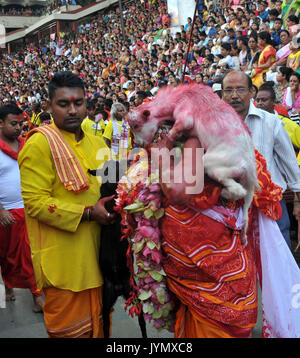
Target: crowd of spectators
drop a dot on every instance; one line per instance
(22, 11)
(252, 36)
(53, 6)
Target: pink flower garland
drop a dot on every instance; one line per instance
(141, 209)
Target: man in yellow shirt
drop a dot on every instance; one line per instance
(38, 109)
(93, 124)
(117, 133)
(63, 212)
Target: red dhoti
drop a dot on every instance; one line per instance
(15, 255)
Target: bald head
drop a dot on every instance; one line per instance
(238, 75)
(238, 91)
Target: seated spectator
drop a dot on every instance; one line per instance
(275, 35)
(225, 52)
(293, 60)
(266, 58)
(244, 54)
(282, 78)
(291, 98)
(254, 52)
(272, 16)
(262, 9)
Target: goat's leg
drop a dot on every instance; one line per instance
(109, 299)
(105, 311)
(142, 324)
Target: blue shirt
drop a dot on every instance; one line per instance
(264, 15)
(276, 38)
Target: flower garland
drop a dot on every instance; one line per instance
(139, 202)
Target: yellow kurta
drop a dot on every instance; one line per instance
(293, 131)
(64, 251)
(35, 118)
(93, 128)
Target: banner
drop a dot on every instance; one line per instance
(180, 10)
(173, 12)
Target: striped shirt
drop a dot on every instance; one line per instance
(272, 141)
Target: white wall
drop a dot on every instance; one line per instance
(18, 22)
(59, 16)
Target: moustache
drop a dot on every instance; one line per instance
(234, 102)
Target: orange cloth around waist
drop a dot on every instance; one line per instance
(69, 314)
(189, 325)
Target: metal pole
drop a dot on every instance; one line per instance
(122, 20)
(190, 40)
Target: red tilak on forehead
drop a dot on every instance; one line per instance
(72, 99)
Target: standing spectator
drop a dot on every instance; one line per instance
(117, 133)
(265, 99)
(15, 255)
(93, 124)
(269, 138)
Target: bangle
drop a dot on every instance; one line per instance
(92, 213)
(87, 212)
(296, 201)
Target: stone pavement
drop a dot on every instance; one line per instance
(18, 321)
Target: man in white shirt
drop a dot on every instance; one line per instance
(269, 138)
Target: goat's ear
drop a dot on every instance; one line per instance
(146, 114)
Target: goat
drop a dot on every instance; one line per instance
(112, 257)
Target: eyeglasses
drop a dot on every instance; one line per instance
(239, 91)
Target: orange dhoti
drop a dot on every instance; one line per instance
(69, 314)
(191, 325)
